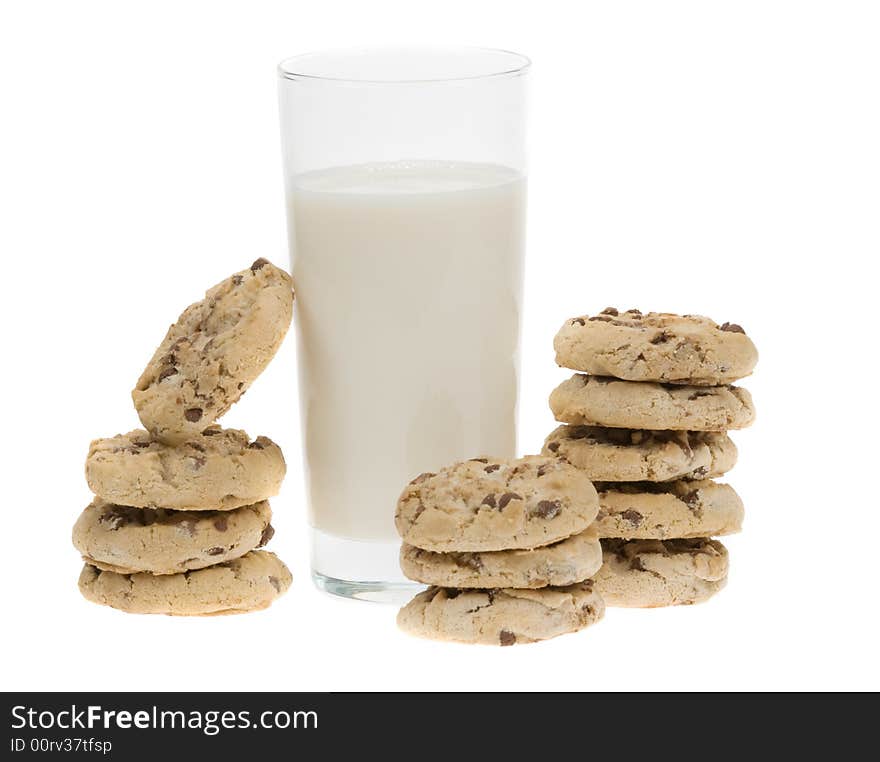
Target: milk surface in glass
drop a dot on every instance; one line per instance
(409, 288)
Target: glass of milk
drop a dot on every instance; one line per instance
(406, 196)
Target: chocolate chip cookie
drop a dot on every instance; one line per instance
(656, 346)
(571, 560)
(601, 401)
(682, 509)
(248, 583)
(214, 351)
(627, 455)
(652, 573)
(159, 541)
(491, 504)
(213, 469)
(502, 616)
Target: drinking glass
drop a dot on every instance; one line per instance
(405, 176)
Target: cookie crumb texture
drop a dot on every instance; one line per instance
(127, 540)
(486, 504)
(681, 509)
(653, 573)
(656, 346)
(214, 351)
(600, 401)
(566, 562)
(628, 455)
(214, 469)
(502, 617)
(248, 583)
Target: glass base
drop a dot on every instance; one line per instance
(361, 569)
(375, 592)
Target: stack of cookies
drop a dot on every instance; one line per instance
(646, 420)
(181, 506)
(508, 547)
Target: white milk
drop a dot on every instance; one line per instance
(408, 288)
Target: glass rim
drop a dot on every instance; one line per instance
(520, 64)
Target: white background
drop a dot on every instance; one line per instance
(710, 157)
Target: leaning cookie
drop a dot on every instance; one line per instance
(628, 455)
(214, 351)
(562, 563)
(682, 509)
(490, 504)
(127, 540)
(653, 573)
(248, 583)
(600, 401)
(216, 469)
(502, 616)
(657, 346)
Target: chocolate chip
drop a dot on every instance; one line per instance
(661, 338)
(634, 312)
(469, 560)
(602, 318)
(610, 311)
(553, 446)
(697, 395)
(167, 373)
(489, 500)
(276, 583)
(257, 444)
(236, 280)
(578, 321)
(212, 431)
(196, 446)
(548, 509)
(506, 638)
(193, 414)
(258, 264)
(422, 477)
(268, 534)
(116, 516)
(221, 523)
(633, 517)
(141, 445)
(492, 468)
(692, 498)
(506, 498)
(478, 460)
(732, 328)
(542, 470)
(215, 551)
